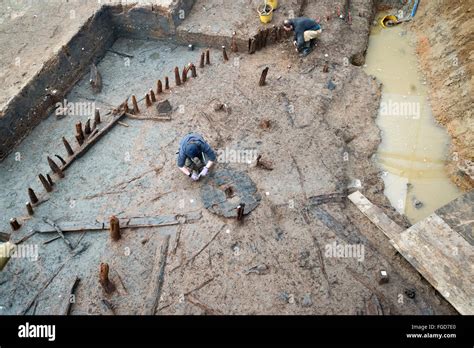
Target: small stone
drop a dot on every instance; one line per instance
(259, 269)
(279, 234)
(331, 85)
(354, 183)
(383, 277)
(307, 302)
(218, 106)
(265, 124)
(164, 107)
(284, 296)
(417, 204)
(411, 293)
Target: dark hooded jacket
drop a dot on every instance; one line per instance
(193, 145)
(300, 25)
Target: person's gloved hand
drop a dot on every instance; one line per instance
(195, 177)
(204, 172)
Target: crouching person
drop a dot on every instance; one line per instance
(306, 31)
(195, 156)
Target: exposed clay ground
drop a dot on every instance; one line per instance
(132, 172)
(450, 44)
(38, 27)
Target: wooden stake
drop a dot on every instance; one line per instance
(45, 183)
(80, 140)
(201, 63)
(234, 48)
(97, 116)
(208, 57)
(63, 162)
(29, 209)
(185, 74)
(272, 34)
(265, 37)
(167, 83)
(147, 100)
(159, 87)
(224, 54)
(33, 198)
(49, 180)
(125, 106)
(14, 224)
(240, 212)
(263, 77)
(54, 168)
(68, 147)
(152, 96)
(87, 127)
(114, 228)
(279, 33)
(177, 78)
(79, 133)
(104, 281)
(136, 110)
(193, 70)
(259, 39)
(252, 45)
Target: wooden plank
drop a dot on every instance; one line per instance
(444, 258)
(377, 216)
(433, 248)
(157, 279)
(69, 300)
(135, 222)
(59, 231)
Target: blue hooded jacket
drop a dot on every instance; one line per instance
(193, 145)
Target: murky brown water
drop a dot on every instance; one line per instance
(414, 147)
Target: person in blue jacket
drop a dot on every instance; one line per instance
(306, 31)
(195, 156)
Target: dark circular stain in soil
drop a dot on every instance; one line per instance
(225, 189)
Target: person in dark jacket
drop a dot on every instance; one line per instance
(306, 31)
(195, 156)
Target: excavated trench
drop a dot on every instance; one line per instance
(295, 209)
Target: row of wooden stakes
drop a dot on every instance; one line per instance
(82, 133)
(266, 36)
(90, 129)
(180, 79)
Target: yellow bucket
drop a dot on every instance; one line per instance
(273, 3)
(385, 21)
(265, 16)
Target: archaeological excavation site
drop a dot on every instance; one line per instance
(210, 157)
